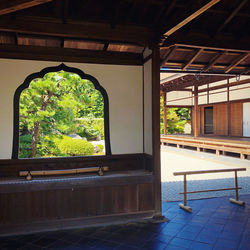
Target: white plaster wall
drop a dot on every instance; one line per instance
(239, 92)
(148, 107)
(122, 83)
(202, 98)
(217, 96)
(185, 96)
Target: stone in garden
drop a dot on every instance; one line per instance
(96, 149)
(75, 136)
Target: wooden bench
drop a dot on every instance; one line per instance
(218, 146)
(185, 192)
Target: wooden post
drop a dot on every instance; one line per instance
(184, 205)
(228, 111)
(208, 93)
(165, 113)
(156, 128)
(196, 132)
(185, 190)
(236, 186)
(236, 200)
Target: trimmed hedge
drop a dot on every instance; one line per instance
(75, 147)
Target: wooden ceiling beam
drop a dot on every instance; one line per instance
(172, 50)
(191, 17)
(191, 80)
(217, 11)
(237, 61)
(232, 15)
(246, 71)
(196, 54)
(200, 65)
(202, 39)
(213, 61)
(69, 55)
(84, 30)
(9, 6)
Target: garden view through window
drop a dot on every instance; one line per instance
(61, 115)
(178, 119)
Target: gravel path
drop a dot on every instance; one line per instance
(175, 160)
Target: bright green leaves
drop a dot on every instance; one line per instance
(177, 118)
(53, 103)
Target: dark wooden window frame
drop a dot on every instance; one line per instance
(41, 74)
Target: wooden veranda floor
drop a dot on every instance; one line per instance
(218, 144)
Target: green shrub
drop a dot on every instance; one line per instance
(48, 146)
(75, 147)
(100, 146)
(90, 128)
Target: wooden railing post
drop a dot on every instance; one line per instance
(236, 186)
(184, 206)
(185, 192)
(236, 200)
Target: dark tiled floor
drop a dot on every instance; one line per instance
(214, 224)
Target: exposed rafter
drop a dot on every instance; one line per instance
(191, 17)
(232, 15)
(8, 6)
(172, 50)
(236, 62)
(201, 39)
(213, 61)
(183, 82)
(246, 71)
(196, 54)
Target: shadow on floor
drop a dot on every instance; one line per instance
(171, 190)
(214, 224)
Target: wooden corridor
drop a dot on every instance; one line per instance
(219, 144)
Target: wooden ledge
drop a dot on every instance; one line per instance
(112, 178)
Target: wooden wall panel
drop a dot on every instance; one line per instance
(220, 119)
(55, 204)
(51, 202)
(146, 195)
(236, 119)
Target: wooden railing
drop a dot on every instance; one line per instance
(220, 146)
(185, 192)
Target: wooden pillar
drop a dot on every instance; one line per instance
(165, 113)
(228, 111)
(207, 93)
(195, 117)
(156, 127)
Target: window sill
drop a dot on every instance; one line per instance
(112, 178)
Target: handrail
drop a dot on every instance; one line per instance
(209, 171)
(185, 192)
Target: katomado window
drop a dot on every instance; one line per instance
(60, 112)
